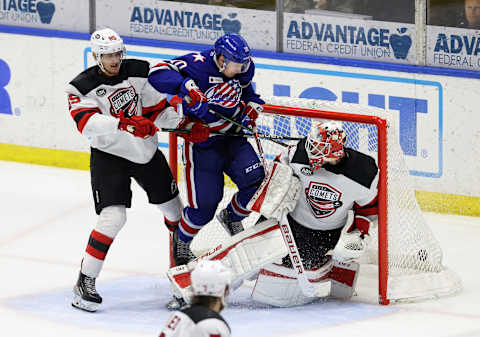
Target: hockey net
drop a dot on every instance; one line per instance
(403, 255)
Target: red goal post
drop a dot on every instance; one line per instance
(393, 264)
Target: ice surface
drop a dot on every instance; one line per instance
(46, 215)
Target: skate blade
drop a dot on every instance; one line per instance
(80, 303)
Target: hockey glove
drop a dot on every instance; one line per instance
(198, 131)
(194, 100)
(251, 112)
(137, 125)
(353, 243)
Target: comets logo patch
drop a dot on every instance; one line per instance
(125, 99)
(323, 199)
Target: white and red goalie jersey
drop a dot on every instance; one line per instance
(196, 321)
(329, 193)
(95, 102)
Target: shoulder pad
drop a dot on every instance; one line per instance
(87, 80)
(135, 68)
(357, 166)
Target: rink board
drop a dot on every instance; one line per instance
(438, 122)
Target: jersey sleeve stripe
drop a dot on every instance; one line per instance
(369, 209)
(152, 112)
(81, 116)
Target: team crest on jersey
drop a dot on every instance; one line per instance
(227, 95)
(125, 99)
(323, 199)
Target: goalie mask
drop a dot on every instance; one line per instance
(106, 41)
(211, 278)
(325, 144)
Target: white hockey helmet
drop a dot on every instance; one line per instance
(106, 41)
(325, 143)
(211, 278)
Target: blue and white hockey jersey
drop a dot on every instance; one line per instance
(224, 94)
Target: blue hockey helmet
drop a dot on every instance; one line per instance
(235, 49)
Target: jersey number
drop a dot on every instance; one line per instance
(180, 64)
(72, 99)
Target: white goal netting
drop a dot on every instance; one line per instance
(413, 269)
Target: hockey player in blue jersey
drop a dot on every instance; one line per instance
(214, 83)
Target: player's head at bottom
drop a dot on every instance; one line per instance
(211, 283)
(108, 51)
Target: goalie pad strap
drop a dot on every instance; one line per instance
(260, 195)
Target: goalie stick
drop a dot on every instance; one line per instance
(308, 289)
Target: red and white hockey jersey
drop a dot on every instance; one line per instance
(95, 100)
(196, 321)
(331, 191)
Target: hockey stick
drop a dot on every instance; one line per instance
(308, 289)
(260, 149)
(218, 114)
(244, 135)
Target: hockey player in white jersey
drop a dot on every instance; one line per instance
(332, 181)
(210, 282)
(113, 105)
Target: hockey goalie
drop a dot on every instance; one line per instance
(319, 201)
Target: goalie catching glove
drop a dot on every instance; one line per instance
(353, 243)
(197, 130)
(137, 125)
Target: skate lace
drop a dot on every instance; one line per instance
(90, 285)
(183, 249)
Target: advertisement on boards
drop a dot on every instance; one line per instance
(48, 14)
(186, 22)
(335, 36)
(453, 48)
(415, 104)
(435, 114)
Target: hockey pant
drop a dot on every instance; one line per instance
(204, 168)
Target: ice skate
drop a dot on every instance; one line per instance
(232, 227)
(85, 294)
(181, 250)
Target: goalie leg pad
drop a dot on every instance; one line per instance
(344, 279)
(277, 285)
(244, 253)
